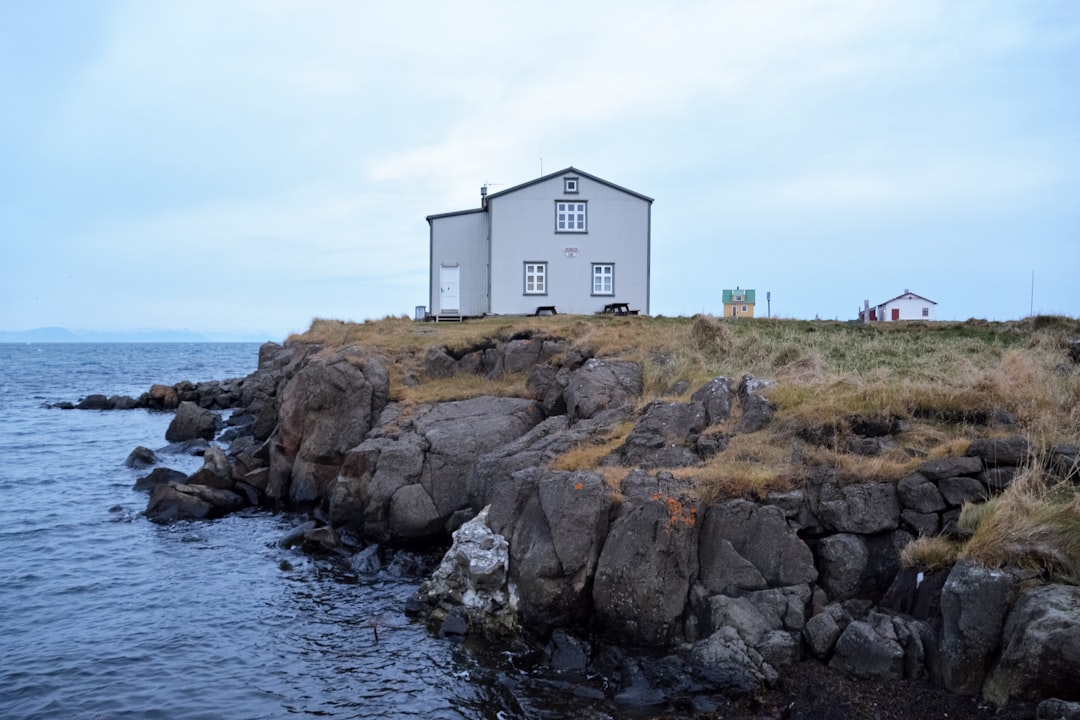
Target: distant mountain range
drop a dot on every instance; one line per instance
(63, 335)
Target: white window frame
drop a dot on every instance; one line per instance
(571, 216)
(535, 278)
(570, 185)
(599, 276)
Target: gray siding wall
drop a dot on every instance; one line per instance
(461, 240)
(523, 228)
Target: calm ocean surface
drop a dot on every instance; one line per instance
(106, 615)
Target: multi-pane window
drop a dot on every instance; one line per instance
(926, 312)
(570, 217)
(603, 279)
(535, 278)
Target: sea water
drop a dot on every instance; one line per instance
(104, 614)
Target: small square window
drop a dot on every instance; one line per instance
(570, 185)
(570, 217)
(535, 278)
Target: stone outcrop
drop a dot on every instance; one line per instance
(325, 409)
(734, 590)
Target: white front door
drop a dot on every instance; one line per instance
(449, 279)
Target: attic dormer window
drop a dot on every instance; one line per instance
(570, 185)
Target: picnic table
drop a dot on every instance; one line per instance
(617, 309)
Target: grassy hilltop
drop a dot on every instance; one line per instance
(947, 382)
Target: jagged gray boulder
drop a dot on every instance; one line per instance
(603, 385)
(326, 408)
(745, 546)
(715, 397)
(951, 467)
(215, 471)
(473, 580)
(757, 410)
(644, 572)
(857, 507)
(995, 452)
(141, 457)
(974, 604)
(1040, 648)
(159, 476)
(843, 559)
(555, 523)
(173, 501)
(917, 493)
(411, 475)
(729, 666)
(664, 436)
(191, 422)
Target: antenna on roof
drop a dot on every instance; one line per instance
(541, 160)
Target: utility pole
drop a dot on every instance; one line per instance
(768, 301)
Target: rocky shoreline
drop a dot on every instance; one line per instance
(751, 601)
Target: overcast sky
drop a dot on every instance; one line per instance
(245, 166)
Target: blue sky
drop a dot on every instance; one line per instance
(245, 166)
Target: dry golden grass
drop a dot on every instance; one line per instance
(945, 379)
(1033, 524)
(589, 454)
(930, 553)
(751, 466)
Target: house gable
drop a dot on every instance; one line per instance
(568, 239)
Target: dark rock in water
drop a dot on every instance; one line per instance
(94, 402)
(454, 624)
(123, 402)
(141, 457)
(171, 502)
(160, 397)
(567, 653)
(195, 448)
(366, 562)
(159, 476)
(295, 536)
(215, 472)
(192, 422)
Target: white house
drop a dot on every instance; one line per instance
(568, 242)
(908, 306)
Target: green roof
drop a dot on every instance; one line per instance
(746, 296)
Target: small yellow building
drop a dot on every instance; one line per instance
(738, 303)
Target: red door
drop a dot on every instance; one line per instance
(896, 313)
